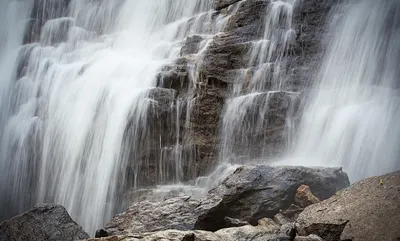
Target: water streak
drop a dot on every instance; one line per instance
(351, 119)
(79, 113)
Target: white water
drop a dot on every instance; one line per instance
(352, 118)
(246, 113)
(77, 116)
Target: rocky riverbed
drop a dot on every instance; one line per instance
(256, 202)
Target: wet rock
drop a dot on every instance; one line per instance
(267, 222)
(253, 192)
(219, 4)
(178, 213)
(44, 222)
(367, 210)
(233, 222)
(281, 219)
(101, 233)
(304, 197)
(293, 211)
(310, 18)
(288, 229)
(311, 237)
(42, 11)
(256, 191)
(56, 31)
(192, 45)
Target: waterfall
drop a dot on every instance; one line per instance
(13, 16)
(78, 96)
(246, 119)
(352, 117)
(90, 109)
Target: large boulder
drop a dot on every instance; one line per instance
(253, 192)
(368, 210)
(48, 222)
(262, 232)
(178, 213)
(249, 194)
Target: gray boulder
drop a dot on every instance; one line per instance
(178, 213)
(266, 231)
(249, 194)
(220, 4)
(48, 222)
(368, 210)
(256, 191)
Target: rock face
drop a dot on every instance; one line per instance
(256, 191)
(304, 197)
(368, 210)
(204, 80)
(251, 193)
(45, 222)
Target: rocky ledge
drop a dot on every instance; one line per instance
(256, 202)
(289, 203)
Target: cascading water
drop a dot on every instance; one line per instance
(352, 118)
(13, 15)
(80, 111)
(245, 121)
(76, 115)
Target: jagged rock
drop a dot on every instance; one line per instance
(233, 222)
(281, 219)
(251, 193)
(244, 233)
(309, 22)
(267, 222)
(311, 237)
(101, 233)
(45, 222)
(256, 191)
(256, 233)
(304, 197)
(293, 211)
(219, 4)
(178, 213)
(288, 229)
(366, 211)
(192, 45)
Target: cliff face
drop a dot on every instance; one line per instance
(217, 70)
(233, 92)
(186, 118)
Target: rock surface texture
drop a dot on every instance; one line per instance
(253, 192)
(48, 222)
(249, 194)
(369, 210)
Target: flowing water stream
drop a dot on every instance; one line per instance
(352, 118)
(82, 84)
(76, 97)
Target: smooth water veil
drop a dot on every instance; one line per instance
(352, 118)
(75, 99)
(100, 98)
